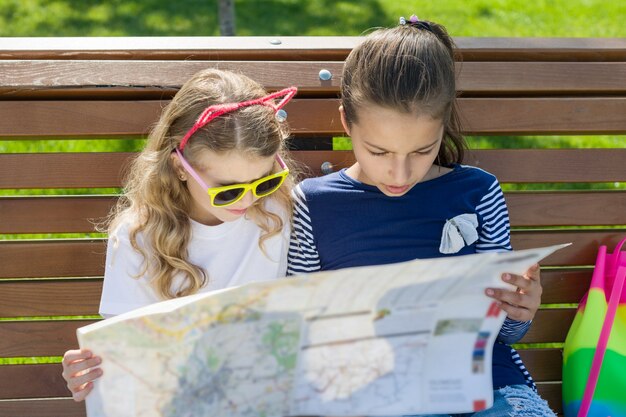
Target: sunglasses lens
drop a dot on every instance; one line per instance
(269, 186)
(228, 196)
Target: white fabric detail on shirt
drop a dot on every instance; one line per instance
(459, 232)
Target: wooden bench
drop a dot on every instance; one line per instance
(114, 88)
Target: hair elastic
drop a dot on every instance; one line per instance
(416, 23)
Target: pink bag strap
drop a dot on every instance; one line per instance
(598, 357)
(615, 258)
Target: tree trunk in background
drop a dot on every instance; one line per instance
(226, 16)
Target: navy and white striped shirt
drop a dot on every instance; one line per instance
(340, 222)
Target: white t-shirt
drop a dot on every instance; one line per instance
(229, 253)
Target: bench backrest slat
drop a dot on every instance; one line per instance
(319, 117)
(49, 297)
(101, 170)
(264, 48)
(149, 77)
(44, 338)
(66, 214)
(134, 118)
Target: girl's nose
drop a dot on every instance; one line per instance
(401, 171)
(247, 200)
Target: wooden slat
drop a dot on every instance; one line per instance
(57, 407)
(310, 162)
(536, 116)
(302, 47)
(52, 338)
(68, 170)
(68, 408)
(45, 381)
(550, 326)
(543, 364)
(530, 78)
(552, 165)
(177, 48)
(72, 258)
(567, 208)
(38, 338)
(153, 77)
(52, 118)
(564, 285)
(60, 258)
(53, 214)
(81, 297)
(542, 49)
(145, 77)
(69, 214)
(552, 393)
(94, 170)
(64, 170)
(583, 250)
(84, 170)
(319, 117)
(32, 381)
(34, 298)
(78, 214)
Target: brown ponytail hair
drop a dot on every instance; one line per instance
(408, 68)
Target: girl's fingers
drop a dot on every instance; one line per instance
(534, 273)
(518, 306)
(82, 393)
(508, 297)
(516, 312)
(74, 355)
(74, 368)
(522, 282)
(77, 383)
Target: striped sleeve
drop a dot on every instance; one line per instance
(303, 257)
(517, 360)
(513, 330)
(495, 236)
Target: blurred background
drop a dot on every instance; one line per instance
(537, 18)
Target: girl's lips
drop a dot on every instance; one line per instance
(397, 190)
(237, 212)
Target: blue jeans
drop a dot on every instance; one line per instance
(511, 401)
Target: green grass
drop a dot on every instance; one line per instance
(554, 142)
(561, 18)
(30, 360)
(525, 142)
(71, 145)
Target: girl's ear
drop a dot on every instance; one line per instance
(344, 123)
(178, 167)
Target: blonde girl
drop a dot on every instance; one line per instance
(206, 204)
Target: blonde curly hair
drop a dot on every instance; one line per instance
(160, 202)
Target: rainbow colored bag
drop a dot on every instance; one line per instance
(594, 356)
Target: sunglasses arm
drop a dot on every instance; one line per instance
(189, 169)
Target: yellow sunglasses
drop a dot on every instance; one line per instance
(230, 194)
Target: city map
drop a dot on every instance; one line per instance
(382, 340)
